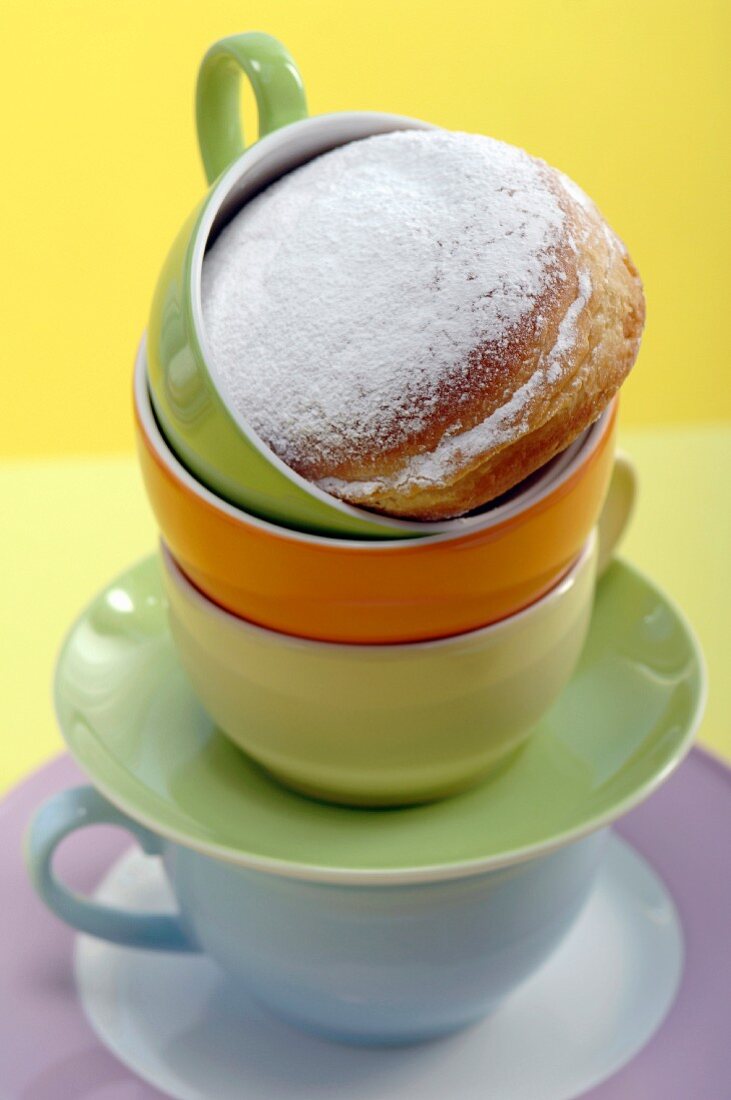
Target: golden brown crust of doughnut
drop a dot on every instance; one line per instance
(604, 345)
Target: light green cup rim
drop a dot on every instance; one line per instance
(94, 760)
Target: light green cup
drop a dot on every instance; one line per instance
(382, 725)
(218, 446)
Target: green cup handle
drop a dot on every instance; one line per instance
(277, 84)
(618, 508)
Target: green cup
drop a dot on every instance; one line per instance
(370, 725)
(218, 447)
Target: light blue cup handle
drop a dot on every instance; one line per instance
(64, 814)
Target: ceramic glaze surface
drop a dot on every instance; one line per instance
(384, 964)
(618, 730)
(383, 592)
(583, 1014)
(375, 965)
(382, 725)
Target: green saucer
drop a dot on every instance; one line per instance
(133, 723)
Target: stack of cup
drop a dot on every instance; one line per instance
(359, 658)
(384, 672)
(366, 661)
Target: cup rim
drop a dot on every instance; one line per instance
(489, 521)
(371, 122)
(212, 610)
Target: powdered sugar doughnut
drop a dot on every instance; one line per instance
(418, 320)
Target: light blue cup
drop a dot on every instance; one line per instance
(363, 963)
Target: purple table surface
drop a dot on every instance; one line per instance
(49, 1052)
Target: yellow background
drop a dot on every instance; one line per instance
(630, 97)
(100, 167)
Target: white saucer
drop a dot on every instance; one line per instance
(174, 1021)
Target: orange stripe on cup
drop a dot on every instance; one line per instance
(371, 592)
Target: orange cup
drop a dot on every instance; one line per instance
(342, 590)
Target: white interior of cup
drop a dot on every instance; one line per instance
(565, 464)
(272, 157)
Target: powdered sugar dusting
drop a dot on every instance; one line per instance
(566, 336)
(581, 199)
(577, 193)
(340, 302)
(425, 470)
